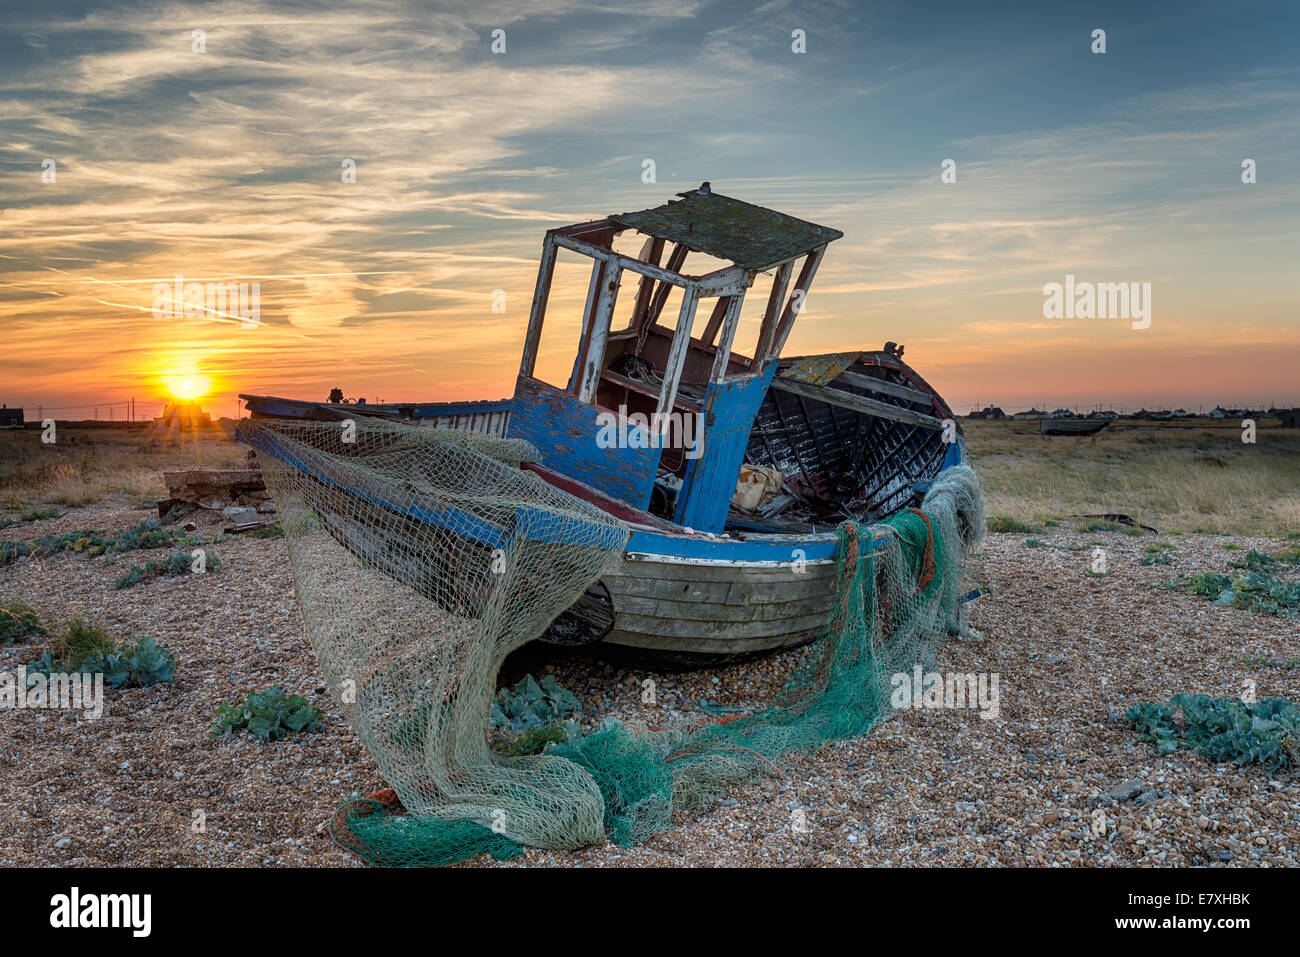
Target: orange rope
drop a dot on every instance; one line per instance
(928, 567)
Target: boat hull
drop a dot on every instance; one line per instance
(1071, 426)
(717, 609)
(689, 595)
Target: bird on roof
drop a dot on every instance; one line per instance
(705, 189)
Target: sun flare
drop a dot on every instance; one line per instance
(188, 387)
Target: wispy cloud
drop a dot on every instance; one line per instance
(228, 164)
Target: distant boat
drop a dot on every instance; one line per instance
(1072, 426)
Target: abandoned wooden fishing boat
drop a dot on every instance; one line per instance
(1071, 426)
(733, 470)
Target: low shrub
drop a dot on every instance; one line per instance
(88, 649)
(18, 622)
(1253, 591)
(269, 714)
(1223, 729)
(79, 640)
(529, 705)
(148, 534)
(180, 563)
(133, 666)
(1097, 525)
(1005, 523)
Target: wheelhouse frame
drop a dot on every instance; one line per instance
(717, 375)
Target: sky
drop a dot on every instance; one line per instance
(220, 157)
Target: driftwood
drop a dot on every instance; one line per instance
(215, 489)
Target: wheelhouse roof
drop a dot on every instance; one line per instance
(752, 237)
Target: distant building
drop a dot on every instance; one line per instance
(10, 418)
(989, 412)
(1219, 413)
(1031, 414)
(1290, 418)
(179, 420)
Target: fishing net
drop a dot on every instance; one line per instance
(422, 558)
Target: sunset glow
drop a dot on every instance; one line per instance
(390, 248)
(188, 387)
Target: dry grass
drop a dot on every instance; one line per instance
(1175, 476)
(87, 466)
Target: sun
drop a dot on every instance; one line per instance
(188, 387)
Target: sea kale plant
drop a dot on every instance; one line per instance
(1264, 732)
(269, 714)
(85, 648)
(148, 534)
(1256, 587)
(530, 705)
(179, 563)
(133, 666)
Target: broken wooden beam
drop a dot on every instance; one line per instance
(857, 403)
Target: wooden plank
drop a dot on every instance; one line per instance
(872, 384)
(722, 592)
(599, 329)
(725, 282)
(603, 254)
(545, 272)
(723, 355)
(598, 231)
(817, 608)
(652, 252)
(806, 275)
(677, 356)
(685, 628)
(857, 403)
(709, 481)
(673, 572)
(588, 309)
(698, 644)
(772, 313)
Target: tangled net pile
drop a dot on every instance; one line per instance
(423, 557)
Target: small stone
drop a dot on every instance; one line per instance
(1126, 791)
